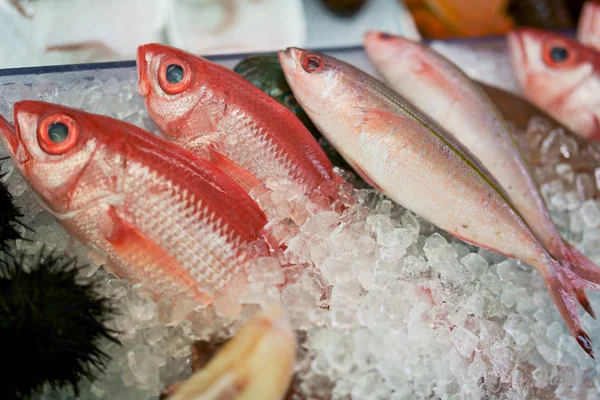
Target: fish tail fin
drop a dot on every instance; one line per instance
(566, 279)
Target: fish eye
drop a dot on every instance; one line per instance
(57, 134)
(174, 75)
(385, 36)
(312, 64)
(559, 54)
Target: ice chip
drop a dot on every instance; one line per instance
(339, 353)
(320, 225)
(409, 221)
(565, 171)
(335, 269)
(590, 212)
(503, 360)
(508, 296)
(367, 386)
(547, 352)
(491, 282)
(477, 368)
(465, 341)
(585, 186)
(475, 264)
(506, 270)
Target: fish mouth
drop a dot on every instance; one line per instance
(290, 60)
(142, 70)
(378, 35)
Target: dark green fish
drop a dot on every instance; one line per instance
(265, 73)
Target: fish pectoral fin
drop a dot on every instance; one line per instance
(380, 121)
(244, 178)
(147, 261)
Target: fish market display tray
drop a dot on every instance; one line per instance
(411, 312)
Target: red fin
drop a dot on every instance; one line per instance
(562, 290)
(366, 177)
(244, 178)
(585, 302)
(585, 270)
(567, 280)
(139, 251)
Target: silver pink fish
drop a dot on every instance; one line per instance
(420, 166)
(446, 94)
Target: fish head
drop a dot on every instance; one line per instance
(315, 79)
(395, 56)
(547, 65)
(588, 28)
(386, 50)
(53, 147)
(170, 81)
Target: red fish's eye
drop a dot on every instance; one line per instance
(312, 64)
(558, 54)
(174, 75)
(57, 134)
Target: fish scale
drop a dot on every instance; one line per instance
(193, 231)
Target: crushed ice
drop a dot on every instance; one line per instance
(388, 307)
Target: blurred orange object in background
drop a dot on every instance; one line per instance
(437, 19)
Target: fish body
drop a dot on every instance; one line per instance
(265, 73)
(559, 75)
(418, 165)
(212, 106)
(588, 29)
(161, 216)
(438, 88)
(257, 363)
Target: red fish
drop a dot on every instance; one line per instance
(211, 111)
(161, 216)
(588, 29)
(559, 75)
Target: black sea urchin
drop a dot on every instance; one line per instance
(9, 215)
(50, 325)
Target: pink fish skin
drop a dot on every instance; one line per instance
(161, 216)
(446, 94)
(559, 75)
(588, 29)
(214, 106)
(419, 165)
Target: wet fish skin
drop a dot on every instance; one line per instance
(257, 363)
(218, 107)
(441, 90)
(588, 28)
(418, 165)
(568, 89)
(265, 73)
(160, 215)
